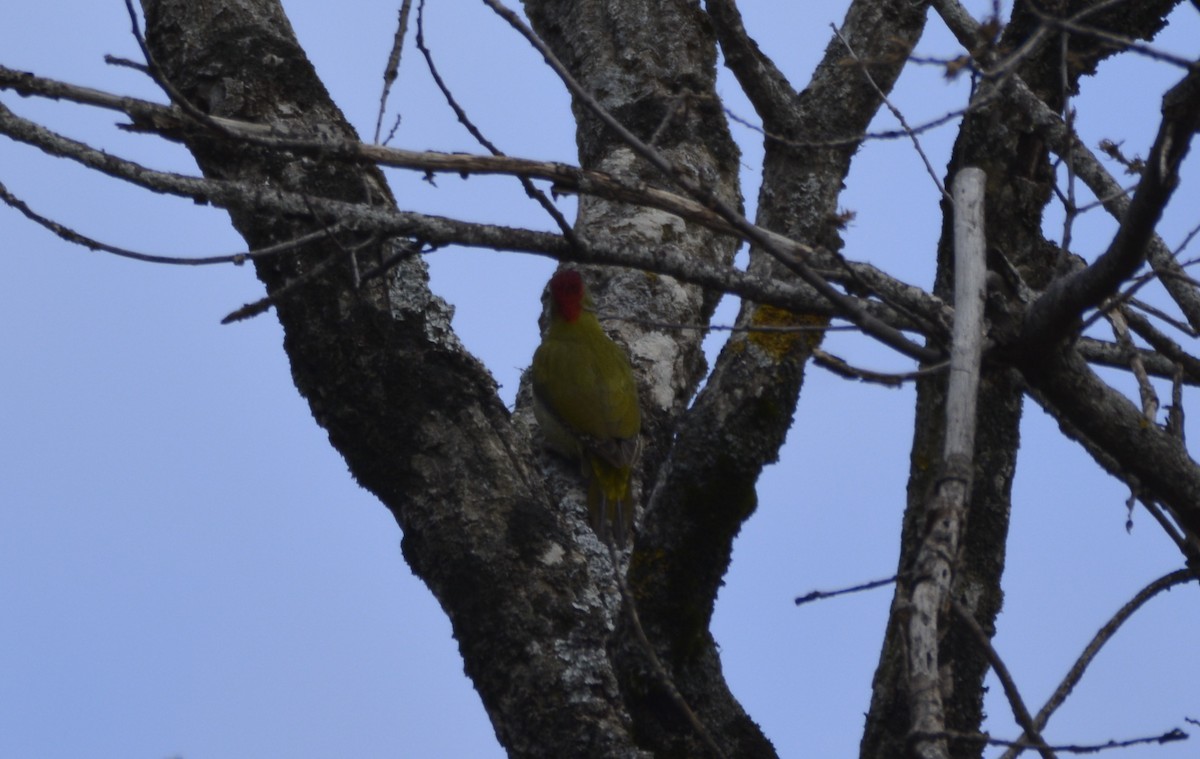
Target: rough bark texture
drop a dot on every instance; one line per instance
(494, 526)
(1002, 141)
(706, 488)
(416, 418)
(652, 66)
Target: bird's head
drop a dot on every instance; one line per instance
(568, 296)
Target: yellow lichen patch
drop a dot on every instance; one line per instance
(780, 341)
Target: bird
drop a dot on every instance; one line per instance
(585, 400)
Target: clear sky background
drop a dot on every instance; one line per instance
(187, 569)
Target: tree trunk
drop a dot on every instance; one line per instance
(1001, 140)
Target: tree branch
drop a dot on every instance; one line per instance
(1066, 144)
(1102, 636)
(416, 417)
(769, 91)
(936, 561)
(1157, 364)
(1015, 702)
(1051, 316)
(170, 122)
(703, 194)
(1117, 434)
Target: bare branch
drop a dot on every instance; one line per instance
(392, 69)
(168, 121)
(700, 192)
(1020, 711)
(563, 225)
(1114, 432)
(861, 137)
(1115, 356)
(1116, 41)
(937, 182)
(76, 238)
(1163, 316)
(841, 368)
(1051, 316)
(1120, 328)
(250, 310)
(820, 595)
(1163, 345)
(771, 94)
(1067, 145)
(936, 560)
(983, 739)
(1175, 412)
(1102, 636)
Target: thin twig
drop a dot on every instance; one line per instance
(530, 190)
(660, 671)
(842, 368)
(1120, 192)
(1171, 736)
(408, 249)
(118, 61)
(1175, 413)
(392, 69)
(1015, 702)
(866, 72)
(1187, 239)
(665, 121)
(1105, 634)
(327, 230)
(1157, 513)
(821, 595)
(77, 238)
(1163, 316)
(1149, 398)
(855, 139)
(704, 194)
(260, 306)
(156, 73)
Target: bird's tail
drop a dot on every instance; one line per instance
(609, 503)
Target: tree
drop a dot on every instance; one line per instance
(493, 525)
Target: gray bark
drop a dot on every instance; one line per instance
(495, 527)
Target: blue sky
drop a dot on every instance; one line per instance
(187, 568)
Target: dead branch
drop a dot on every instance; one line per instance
(936, 560)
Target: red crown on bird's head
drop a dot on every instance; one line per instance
(567, 291)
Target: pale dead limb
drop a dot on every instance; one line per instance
(933, 574)
(1086, 166)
